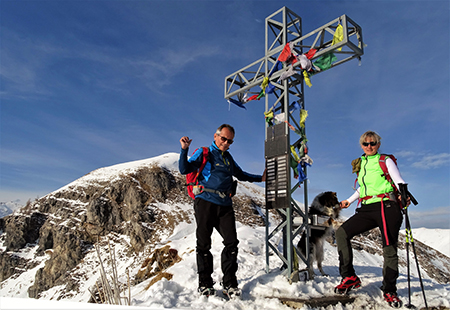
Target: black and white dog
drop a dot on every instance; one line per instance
(325, 204)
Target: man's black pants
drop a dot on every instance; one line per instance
(209, 216)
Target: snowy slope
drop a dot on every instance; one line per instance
(259, 288)
(111, 173)
(438, 239)
(257, 285)
(4, 209)
(7, 208)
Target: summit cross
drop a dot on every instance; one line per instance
(291, 60)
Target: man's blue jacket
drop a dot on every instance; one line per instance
(217, 174)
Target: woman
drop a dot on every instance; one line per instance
(379, 208)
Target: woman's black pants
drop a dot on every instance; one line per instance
(368, 217)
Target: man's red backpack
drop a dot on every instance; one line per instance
(192, 178)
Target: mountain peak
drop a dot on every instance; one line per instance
(140, 202)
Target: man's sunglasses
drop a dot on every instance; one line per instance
(369, 143)
(230, 141)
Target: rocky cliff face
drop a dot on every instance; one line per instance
(67, 223)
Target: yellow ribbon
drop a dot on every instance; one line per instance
(307, 80)
(294, 153)
(303, 116)
(338, 36)
(264, 84)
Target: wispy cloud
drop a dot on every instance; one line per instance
(22, 60)
(164, 64)
(426, 160)
(435, 218)
(28, 65)
(433, 161)
(439, 211)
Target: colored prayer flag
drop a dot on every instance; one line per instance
(310, 54)
(268, 116)
(276, 67)
(325, 61)
(338, 36)
(270, 89)
(236, 102)
(254, 97)
(302, 177)
(280, 117)
(293, 164)
(301, 174)
(303, 116)
(307, 80)
(294, 106)
(288, 73)
(294, 153)
(262, 93)
(305, 63)
(286, 53)
(306, 159)
(265, 83)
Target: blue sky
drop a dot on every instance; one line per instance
(89, 84)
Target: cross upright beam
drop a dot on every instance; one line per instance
(283, 28)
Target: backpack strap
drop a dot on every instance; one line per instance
(200, 188)
(205, 154)
(205, 157)
(382, 161)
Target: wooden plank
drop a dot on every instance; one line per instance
(324, 301)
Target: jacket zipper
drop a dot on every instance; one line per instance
(225, 161)
(362, 179)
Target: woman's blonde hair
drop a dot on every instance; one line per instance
(372, 134)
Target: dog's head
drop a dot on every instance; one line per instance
(327, 204)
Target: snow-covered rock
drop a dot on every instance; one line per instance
(139, 214)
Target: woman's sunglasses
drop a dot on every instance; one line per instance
(369, 143)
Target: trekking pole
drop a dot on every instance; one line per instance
(411, 240)
(408, 305)
(405, 195)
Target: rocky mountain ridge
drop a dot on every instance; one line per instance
(135, 205)
(123, 200)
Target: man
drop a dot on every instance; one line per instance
(213, 207)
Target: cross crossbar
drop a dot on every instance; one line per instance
(320, 39)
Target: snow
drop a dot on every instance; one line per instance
(24, 303)
(7, 208)
(111, 173)
(438, 239)
(259, 288)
